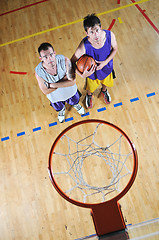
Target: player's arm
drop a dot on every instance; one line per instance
(47, 88)
(112, 54)
(78, 53)
(70, 72)
(114, 47)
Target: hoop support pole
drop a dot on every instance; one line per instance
(108, 218)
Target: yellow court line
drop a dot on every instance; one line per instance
(119, 19)
(122, 7)
(71, 23)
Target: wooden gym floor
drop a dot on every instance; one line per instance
(30, 208)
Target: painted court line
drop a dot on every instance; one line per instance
(118, 104)
(4, 139)
(36, 129)
(86, 114)
(87, 237)
(112, 24)
(71, 118)
(150, 235)
(150, 94)
(120, 21)
(101, 109)
(146, 17)
(52, 124)
(68, 119)
(134, 99)
(138, 225)
(20, 134)
(71, 23)
(22, 7)
(122, 7)
(23, 73)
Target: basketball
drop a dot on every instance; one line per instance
(85, 61)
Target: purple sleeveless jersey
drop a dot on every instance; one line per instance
(100, 54)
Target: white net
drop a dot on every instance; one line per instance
(93, 168)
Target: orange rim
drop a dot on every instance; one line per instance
(116, 198)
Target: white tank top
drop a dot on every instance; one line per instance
(60, 94)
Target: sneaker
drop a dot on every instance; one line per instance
(89, 101)
(79, 109)
(106, 95)
(61, 115)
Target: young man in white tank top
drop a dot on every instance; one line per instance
(56, 80)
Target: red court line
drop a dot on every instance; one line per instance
(23, 7)
(147, 18)
(18, 72)
(111, 25)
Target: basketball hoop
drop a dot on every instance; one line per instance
(93, 164)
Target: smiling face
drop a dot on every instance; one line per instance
(94, 33)
(48, 57)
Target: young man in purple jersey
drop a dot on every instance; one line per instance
(102, 46)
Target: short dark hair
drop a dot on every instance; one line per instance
(44, 46)
(90, 21)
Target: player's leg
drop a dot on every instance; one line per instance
(91, 86)
(107, 82)
(106, 95)
(74, 101)
(60, 108)
(89, 103)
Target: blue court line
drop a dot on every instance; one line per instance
(52, 124)
(129, 224)
(118, 104)
(68, 119)
(4, 139)
(131, 227)
(89, 236)
(20, 134)
(86, 114)
(134, 99)
(36, 129)
(150, 94)
(101, 109)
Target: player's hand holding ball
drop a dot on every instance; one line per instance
(86, 65)
(100, 65)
